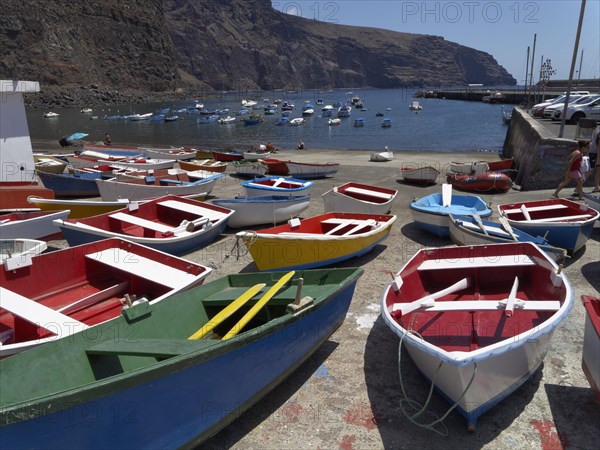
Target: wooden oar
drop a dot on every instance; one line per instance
(504, 222)
(429, 300)
(478, 221)
(227, 311)
(258, 305)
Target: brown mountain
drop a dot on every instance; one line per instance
(151, 46)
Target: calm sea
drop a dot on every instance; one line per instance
(441, 126)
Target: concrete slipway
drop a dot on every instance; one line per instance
(347, 395)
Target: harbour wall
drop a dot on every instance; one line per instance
(540, 157)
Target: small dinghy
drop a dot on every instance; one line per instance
(272, 209)
(359, 198)
(66, 291)
(477, 321)
(277, 186)
(171, 224)
(316, 241)
(432, 211)
(564, 223)
(482, 182)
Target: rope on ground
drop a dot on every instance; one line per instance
(416, 405)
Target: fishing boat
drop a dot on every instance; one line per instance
(359, 122)
(472, 230)
(316, 241)
(271, 209)
(31, 225)
(477, 321)
(226, 120)
(252, 120)
(143, 164)
(276, 186)
(20, 248)
(420, 175)
(297, 121)
(77, 184)
(592, 199)
(87, 290)
(227, 156)
(386, 123)
(481, 182)
(159, 368)
(415, 106)
(87, 208)
(152, 187)
(203, 164)
(590, 361)
(47, 163)
(359, 198)
(178, 154)
(170, 224)
(50, 115)
(563, 223)
(334, 122)
(382, 156)
(249, 169)
(432, 211)
(310, 171)
(275, 166)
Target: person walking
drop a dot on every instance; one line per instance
(594, 167)
(572, 173)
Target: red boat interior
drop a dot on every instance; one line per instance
(491, 278)
(59, 279)
(366, 193)
(157, 219)
(280, 183)
(547, 210)
(332, 224)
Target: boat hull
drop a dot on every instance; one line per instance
(71, 185)
(590, 361)
(570, 234)
(250, 211)
(210, 165)
(112, 190)
(249, 169)
(485, 182)
(165, 406)
(32, 225)
(337, 200)
(306, 171)
(422, 175)
(256, 187)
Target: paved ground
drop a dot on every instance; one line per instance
(347, 395)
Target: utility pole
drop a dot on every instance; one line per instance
(531, 73)
(573, 61)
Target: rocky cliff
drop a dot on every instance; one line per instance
(108, 50)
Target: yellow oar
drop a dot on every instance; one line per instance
(227, 311)
(258, 305)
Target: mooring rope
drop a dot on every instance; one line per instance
(416, 405)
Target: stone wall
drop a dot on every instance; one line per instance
(540, 157)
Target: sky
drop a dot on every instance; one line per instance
(503, 28)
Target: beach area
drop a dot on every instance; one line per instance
(348, 396)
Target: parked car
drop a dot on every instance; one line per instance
(549, 110)
(557, 114)
(586, 110)
(538, 109)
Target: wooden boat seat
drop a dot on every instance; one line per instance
(38, 314)
(340, 224)
(368, 193)
(467, 263)
(561, 219)
(142, 267)
(491, 230)
(194, 209)
(536, 208)
(157, 348)
(484, 305)
(139, 221)
(367, 223)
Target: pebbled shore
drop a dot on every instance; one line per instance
(347, 394)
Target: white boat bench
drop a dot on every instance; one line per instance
(368, 193)
(142, 267)
(561, 219)
(134, 220)
(342, 223)
(194, 209)
(38, 314)
(481, 305)
(535, 208)
(491, 230)
(477, 262)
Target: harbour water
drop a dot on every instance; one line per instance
(441, 126)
